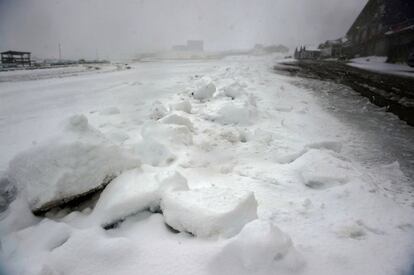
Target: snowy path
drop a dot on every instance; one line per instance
(323, 179)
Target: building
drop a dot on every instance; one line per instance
(383, 28)
(195, 45)
(191, 46)
(15, 59)
(179, 48)
(333, 48)
(307, 53)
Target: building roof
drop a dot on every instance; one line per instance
(15, 52)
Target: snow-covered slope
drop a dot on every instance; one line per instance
(253, 176)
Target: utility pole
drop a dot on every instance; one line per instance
(60, 53)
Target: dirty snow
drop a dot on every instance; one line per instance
(242, 173)
(378, 64)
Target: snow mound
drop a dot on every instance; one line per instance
(183, 106)
(135, 191)
(209, 212)
(234, 90)
(110, 111)
(67, 167)
(153, 153)
(205, 90)
(158, 110)
(92, 251)
(177, 119)
(260, 248)
(168, 134)
(319, 169)
(335, 146)
(235, 113)
(16, 217)
(34, 245)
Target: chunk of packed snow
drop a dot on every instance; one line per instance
(183, 106)
(158, 110)
(16, 217)
(232, 113)
(134, 191)
(177, 119)
(320, 169)
(210, 211)
(205, 91)
(153, 153)
(69, 166)
(92, 251)
(171, 181)
(233, 90)
(329, 145)
(260, 248)
(167, 133)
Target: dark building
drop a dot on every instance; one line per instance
(307, 53)
(332, 48)
(384, 28)
(14, 59)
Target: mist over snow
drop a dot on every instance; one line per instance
(114, 29)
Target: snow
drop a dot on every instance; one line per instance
(68, 166)
(183, 106)
(135, 191)
(205, 90)
(377, 64)
(177, 119)
(322, 169)
(209, 212)
(158, 110)
(260, 248)
(277, 174)
(168, 133)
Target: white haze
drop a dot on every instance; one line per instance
(113, 29)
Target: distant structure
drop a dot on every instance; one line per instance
(383, 28)
(333, 48)
(191, 46)
(195, 45)
(15, 59)
(307, 53)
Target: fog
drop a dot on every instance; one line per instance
(113, 29)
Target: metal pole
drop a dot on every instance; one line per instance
(60, 53)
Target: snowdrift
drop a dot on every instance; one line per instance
(68, 167)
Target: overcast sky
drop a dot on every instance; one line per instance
(123, 28)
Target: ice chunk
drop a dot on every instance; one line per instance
(171, 181)
(92, 251)
(329, 145)
(153, 153)
(158, 110)
(209, 212)
(16, 217)
(239, 114)
(234, 90)
(130, 193)
(135, 191)
(319, 169)
(168, 134)
(205, 91)
(183, 106)
(69, 166)
(33, 245)
(177, 119)
(260, 248)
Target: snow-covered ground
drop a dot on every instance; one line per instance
(220, 166)
(377, 64)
